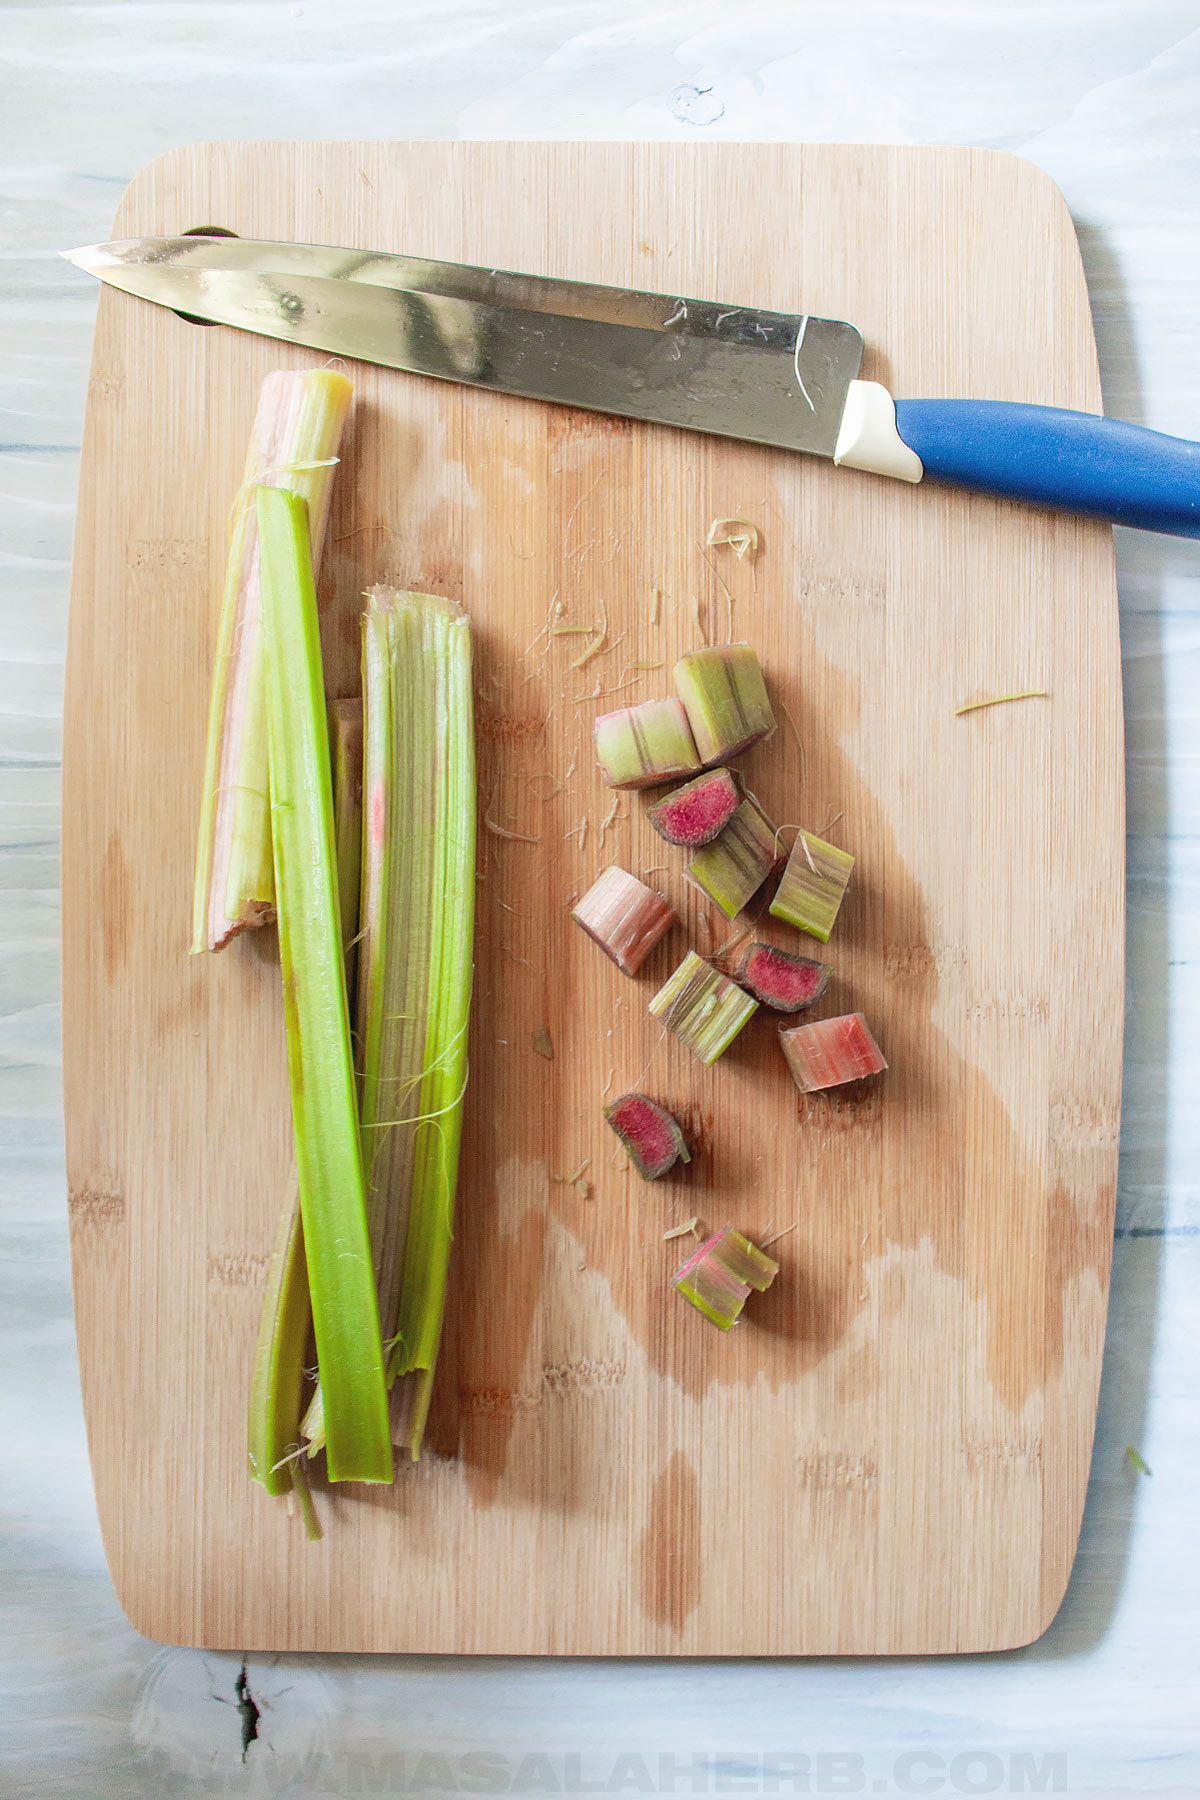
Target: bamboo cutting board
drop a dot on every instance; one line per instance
(890, 1453)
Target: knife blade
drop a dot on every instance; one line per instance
(772, 378)
(789, 380)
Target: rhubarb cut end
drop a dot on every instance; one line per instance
(694, 815)
(779, 979)
(650, 1134)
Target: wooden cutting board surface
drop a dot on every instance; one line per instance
(890, 1453)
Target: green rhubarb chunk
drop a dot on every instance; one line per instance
(813, 885)
(718, 1277)
(734, 866)
(725, 696)
(704, 1009)
(643, 746)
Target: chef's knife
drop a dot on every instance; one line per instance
(785, 379)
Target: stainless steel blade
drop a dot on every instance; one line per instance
(768, 377)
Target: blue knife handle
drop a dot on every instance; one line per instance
(1052, 457)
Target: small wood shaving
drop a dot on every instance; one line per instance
(774, 1240)
(655, 604)
(572, 631)
(502, 831)
(739, 534)
(590, 650)
(719, 579)
(608, 1083)
(571, 1180)
(610, 818)
(701, 632)
(583, 1189)
(681, 1230)
(1002, 700)
(642, 666)
(543, 1043)
(799, 740)
(657, 869)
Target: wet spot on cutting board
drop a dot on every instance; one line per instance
(670, 1547)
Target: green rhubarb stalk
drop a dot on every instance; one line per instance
(324, 1110)
(294, 443)
(415, 965)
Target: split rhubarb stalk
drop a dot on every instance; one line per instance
(415, 966)
(625, 917)
(831, 1052)
(718, 1277)
(649, 1133)
(813, 885)
(294, 444)
(324, 1103)
(734, 866)
(643, 746)
(725, 695)
(784, 982)
(693, 815)
(702, 1008)
(277, 1383)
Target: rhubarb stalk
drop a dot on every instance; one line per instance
(324, 1109)
(294, 444)
(813, 885)
(415, 965)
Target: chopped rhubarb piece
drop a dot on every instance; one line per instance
(625, 917)
(717, 1278)
(649, 1133)
(779, 979)
(726, 700)
(643, 746)
(830, 1052)
(703, 1009)
(734, 866)
(813, 885)
(693, 815)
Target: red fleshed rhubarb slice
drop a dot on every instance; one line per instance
(717, 1278)
(693, 815)
(830, 1052)
(625, 917)
(779, 979)
(649, 1133)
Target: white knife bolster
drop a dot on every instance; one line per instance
(868, 438)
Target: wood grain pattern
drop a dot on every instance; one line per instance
(890, 1454)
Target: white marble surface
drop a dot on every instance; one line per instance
(1103, 94)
